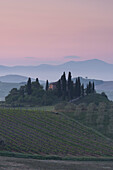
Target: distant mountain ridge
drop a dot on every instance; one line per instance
(89, 68)
(13, 78)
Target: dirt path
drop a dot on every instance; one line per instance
(32, 164)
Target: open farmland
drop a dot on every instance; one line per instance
(48, 133)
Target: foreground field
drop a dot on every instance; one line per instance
(31, 164)
(49, 133)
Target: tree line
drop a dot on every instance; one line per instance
(67, 89)
(33, 93)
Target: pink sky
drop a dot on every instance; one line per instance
(46, 31)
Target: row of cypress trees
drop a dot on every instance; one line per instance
(67, 89)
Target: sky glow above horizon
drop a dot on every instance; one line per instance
(55, 31)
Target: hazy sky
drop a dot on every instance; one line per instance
(55, 31)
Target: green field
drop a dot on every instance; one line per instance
(48, 133)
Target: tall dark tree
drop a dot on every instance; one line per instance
(28, 88)
(63, 85)
(87, 89)
(69, 80)
(47, 85)
(79, 87)
(37, 81)
(90, 87)
(70, 86)
(93, 87)
(72, 89)
(82, 90)
(59, 91)
(75, 88)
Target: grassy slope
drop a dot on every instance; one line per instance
(47, 133)
(95, 111)
(93, 98)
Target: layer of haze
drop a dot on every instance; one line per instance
(55, 31)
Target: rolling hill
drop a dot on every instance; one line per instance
(14, 78)
(107, 87)
(94, 110)
(50, 133)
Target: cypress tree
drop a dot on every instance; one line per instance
(63, 85)
(37, 81)
(87, 89)
(90, 87)
(59, 92)
(36, 84)
(79, 87)
(93, 87)
(82, 90)
(69, 86)
(69, 80)
(76, 88)
(29, 86)
(71, 90)
(47, 85)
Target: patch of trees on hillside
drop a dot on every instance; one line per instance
(34, 94)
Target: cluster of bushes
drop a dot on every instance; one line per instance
(31, 94)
